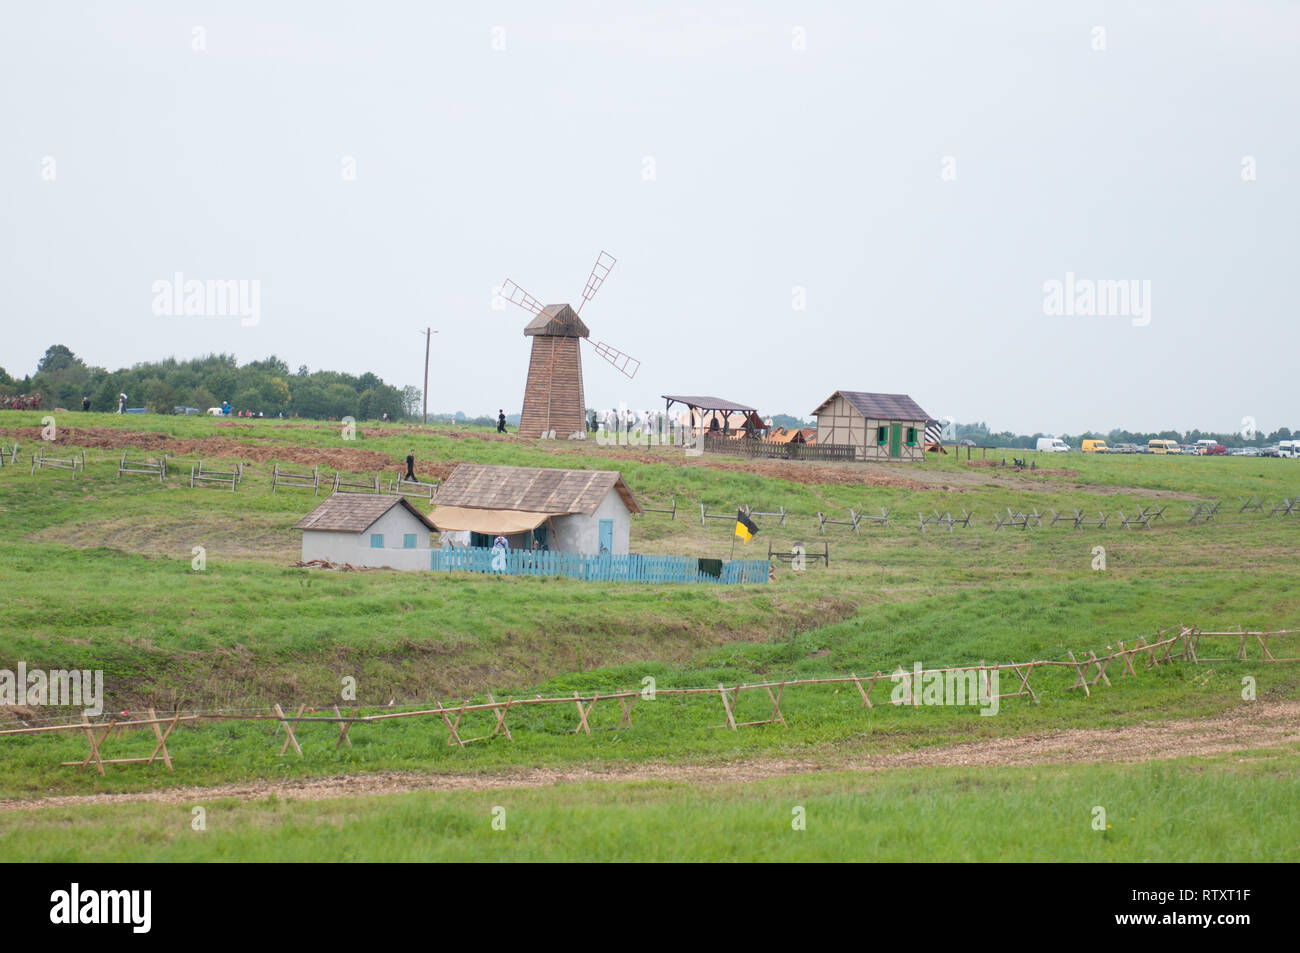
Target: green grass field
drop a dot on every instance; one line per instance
(1178, 810)
(96, 573)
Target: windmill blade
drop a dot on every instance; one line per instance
(605, 263)
(517, 295)
(623, 363)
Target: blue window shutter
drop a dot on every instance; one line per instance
(376, 540)
(408, 541)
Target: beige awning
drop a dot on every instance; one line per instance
(494, 522)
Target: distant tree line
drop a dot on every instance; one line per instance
(979, 432)
(267, 387)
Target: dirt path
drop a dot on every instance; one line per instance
(1258, 725)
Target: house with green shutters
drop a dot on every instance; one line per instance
(877, 426)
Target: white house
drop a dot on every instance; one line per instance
(367, 530)
(572, 511)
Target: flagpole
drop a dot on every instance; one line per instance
(733, 546)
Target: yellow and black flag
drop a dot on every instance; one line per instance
(745, 527)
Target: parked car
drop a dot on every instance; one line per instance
(185, 410)
(1163, 446)
(1095, 446)
(1216, 450)
(1269, 451)
(1126, 448)
(1052, 445)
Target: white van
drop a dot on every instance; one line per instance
(1052, 445)
(1288, 448)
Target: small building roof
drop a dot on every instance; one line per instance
(546, 490)
(785, 435)
(708, 403)
(558, 319)
(879, 406)
(355, 513)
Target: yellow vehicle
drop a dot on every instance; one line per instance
(1163, 446)
(1095, 446)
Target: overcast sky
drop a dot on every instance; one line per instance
(802, 197)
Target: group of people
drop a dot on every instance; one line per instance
(626, 421)
(23, 402)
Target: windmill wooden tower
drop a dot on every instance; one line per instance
(554, 404)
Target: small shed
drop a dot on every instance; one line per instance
(571, 511)
(879, 426)
(367, 530)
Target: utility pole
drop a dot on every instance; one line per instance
(428, 337)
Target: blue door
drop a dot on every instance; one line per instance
(606, 537)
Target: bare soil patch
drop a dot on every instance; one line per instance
(350, 459)
(1252, 726)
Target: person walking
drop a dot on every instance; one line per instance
(410, 465)
(121, 403)
(85, 404)
(501, 421)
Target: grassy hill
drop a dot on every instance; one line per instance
(96, 573)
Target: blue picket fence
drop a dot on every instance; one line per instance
(633, 567)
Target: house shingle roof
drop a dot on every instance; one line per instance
(355, 513)
(880, 406)
(533, 489)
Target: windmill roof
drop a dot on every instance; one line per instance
(532, 489)
(879, 406)
(559, 320)
(355, 513)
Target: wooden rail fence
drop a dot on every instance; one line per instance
(403, 487)
(302, 481)
(672, 513)
(73, 464)
(759, 449)
(355, 486)
(1088, 674)
(151, 468)
(201, 477)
